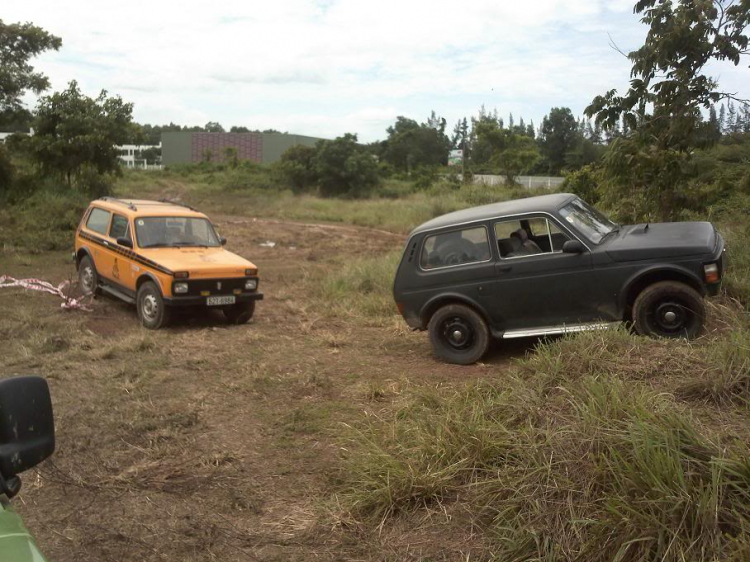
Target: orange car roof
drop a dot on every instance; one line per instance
(146, 207)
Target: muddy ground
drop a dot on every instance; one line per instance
(213, 442)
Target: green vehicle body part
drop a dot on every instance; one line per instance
(16, 543)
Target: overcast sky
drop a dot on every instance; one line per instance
(326, 67)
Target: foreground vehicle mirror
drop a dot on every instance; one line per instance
(125, 242)
(27, 429)
(573, 247)
(223, 241)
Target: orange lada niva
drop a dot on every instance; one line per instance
(160, 255)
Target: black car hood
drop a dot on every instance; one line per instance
(661, 240)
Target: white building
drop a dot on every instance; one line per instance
(4, 136)
(129, 156)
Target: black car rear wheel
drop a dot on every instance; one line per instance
(669, 309)
(458, 334)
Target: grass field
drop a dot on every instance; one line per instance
(325, 430)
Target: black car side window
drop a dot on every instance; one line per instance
(528, 237)
(458, 247)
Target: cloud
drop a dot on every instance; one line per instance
(327, 67)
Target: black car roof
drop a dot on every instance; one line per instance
(540, 203)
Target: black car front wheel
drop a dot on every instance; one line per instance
(669, 309)
(458, 334)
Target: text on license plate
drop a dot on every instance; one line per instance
(216, 301)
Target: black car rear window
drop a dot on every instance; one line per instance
(457, 247)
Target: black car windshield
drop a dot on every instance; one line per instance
(587, 220)
(156, 232)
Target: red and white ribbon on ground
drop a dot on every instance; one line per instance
(44, 286)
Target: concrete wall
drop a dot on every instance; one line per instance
(275, 144)
(185, 147)
(176, 148)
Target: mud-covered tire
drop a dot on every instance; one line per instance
(152, 311)
(88, 279)
(669, 309)
(458, 334)
(240, 313)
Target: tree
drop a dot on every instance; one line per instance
(240, 129)
(411, 145)
(213, 127)
(559, 136)
(731, 118)
(518, 155)
(18, 44)
(667, 90)
(712, 128)
(75, 134)
(344, 168)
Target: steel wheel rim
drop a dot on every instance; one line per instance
(670, 317)
(457, 333)
(150, 307)
(87, 279)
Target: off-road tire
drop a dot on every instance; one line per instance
(240, 313)
(669, 309)
(152, 311)
(88, 278)
(458, 334)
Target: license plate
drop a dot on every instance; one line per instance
(218, 301)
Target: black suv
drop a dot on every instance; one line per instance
(550, 265)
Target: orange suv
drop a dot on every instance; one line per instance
(160, 255)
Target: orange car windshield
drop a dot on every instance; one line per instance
(175, 232)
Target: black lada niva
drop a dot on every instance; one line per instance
(550, 265)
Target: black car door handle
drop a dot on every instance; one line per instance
(504, 269)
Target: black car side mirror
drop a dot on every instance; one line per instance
(125, 242)
(573, 247)
(223, 241)
(27, 428)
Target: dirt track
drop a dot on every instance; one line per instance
(209, 442)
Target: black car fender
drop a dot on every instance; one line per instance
(432, 305)
(654, 273)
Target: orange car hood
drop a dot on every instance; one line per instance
(200, 262)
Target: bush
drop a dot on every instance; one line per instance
(297, 168)
(6, 172)
(584, 183)
(46, 221)
(425, 176)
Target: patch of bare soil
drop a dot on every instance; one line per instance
(213, 442)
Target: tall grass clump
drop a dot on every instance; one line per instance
(361, 287)
(726, 377)
(561, 460)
